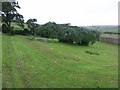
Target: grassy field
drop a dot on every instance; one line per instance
(35, 64)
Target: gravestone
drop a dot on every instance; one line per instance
(45, 40)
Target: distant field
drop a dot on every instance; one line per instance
(38, 64)
(111, 35)
(104, 28)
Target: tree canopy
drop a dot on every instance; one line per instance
(32, 25)
(10, 14)
(67, 33)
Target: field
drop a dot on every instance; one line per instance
(111, 35)
(34, 64)
(105, 28)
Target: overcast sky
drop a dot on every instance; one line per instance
(76, 12)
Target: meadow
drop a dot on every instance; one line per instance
(36, 64)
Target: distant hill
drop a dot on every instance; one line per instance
(104, 28)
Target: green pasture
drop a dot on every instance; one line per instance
(37, 64)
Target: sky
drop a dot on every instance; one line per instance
(76, 12)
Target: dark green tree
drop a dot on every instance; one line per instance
(32, 25)
(10, 14)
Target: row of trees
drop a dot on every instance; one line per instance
(62, 32)
(67, 33)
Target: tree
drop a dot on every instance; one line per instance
(48, 30)
(32, 25)
(68, 34)
(19, 20)
(10, 14)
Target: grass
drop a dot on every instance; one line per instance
(36, 64)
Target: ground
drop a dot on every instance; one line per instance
(37, 64)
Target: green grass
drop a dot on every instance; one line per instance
(35, 64)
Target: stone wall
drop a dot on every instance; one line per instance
(110, 40)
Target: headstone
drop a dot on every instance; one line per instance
(45, 40)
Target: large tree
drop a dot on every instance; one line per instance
(10, 14)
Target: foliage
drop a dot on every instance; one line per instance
(67, 33)
(10, 14)
(21, 32)
(32, 25)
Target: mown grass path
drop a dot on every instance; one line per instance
(35, 64)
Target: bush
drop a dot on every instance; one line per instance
(21, 32)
